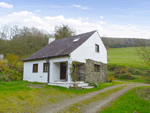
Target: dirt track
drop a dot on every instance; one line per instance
(93, 107)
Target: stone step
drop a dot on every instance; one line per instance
(87, 87)
(81, 84)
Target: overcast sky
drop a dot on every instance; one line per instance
(112, 18)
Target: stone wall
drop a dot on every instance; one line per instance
(91, 75)
(81, 72)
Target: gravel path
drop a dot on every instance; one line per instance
(62, 105)
(93, 107)
(99, 105)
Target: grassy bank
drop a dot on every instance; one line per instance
(136, 100)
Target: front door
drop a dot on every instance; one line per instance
(62, 70)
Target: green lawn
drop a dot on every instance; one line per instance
(125, 57)
(136, 100)
(22, 96)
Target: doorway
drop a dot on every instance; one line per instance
(63, 71)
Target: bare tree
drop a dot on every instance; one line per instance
(8, 32)
(143, 50)
(63, 31)
(4, 32)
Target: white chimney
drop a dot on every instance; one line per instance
(51, 40)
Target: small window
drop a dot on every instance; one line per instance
(75, 40)
(45, 67)
(35, 67)
(96, 68)
(96, 48)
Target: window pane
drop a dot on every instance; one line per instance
(96, 48)
(45, 67)
(35, 67)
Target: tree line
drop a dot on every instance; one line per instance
(26, 41)
(123, 42)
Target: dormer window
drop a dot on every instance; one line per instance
(97, 48)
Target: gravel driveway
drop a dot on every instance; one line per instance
(93, 107)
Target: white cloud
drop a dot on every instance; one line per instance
(5, 5)
(80, 18)
(25, 18)
(85, 8)
(79, 6)
(130, 31)
(101, 17)
(76, 5)
(101, 22)
(37, 11)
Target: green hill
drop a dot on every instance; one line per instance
(126, 57)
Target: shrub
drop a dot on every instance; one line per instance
(126, 76)
(12, 60)
(1, 66)
(19, 69)
(111, 66)
(147, 79)
(13, 75)
(118, 70)
(4, 77)
(93, 84)
(111, 78)
(73, 73)
(124, 70)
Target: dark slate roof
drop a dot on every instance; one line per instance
(61, 47)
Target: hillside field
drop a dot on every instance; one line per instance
(125, 57)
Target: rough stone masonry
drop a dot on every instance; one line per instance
(87, 73)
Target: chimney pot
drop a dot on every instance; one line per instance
(51, 40)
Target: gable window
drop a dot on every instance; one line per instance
(97, 48)
(96, 68)
(35, 68)
(45, 67)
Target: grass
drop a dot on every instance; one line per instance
(136, 100)
(126, 57)
(19, 97)
(138, 79)
(23, 96)
(80, 106)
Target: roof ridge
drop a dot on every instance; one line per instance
(77, 35)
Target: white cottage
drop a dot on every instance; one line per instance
(87, 49)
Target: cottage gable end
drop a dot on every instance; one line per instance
(93, 48)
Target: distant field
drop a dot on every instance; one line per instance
(125, 57)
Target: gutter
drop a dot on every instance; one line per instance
(45, 58)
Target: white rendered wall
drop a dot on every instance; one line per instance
(39, 76)
(87, 50)
(56, 72)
